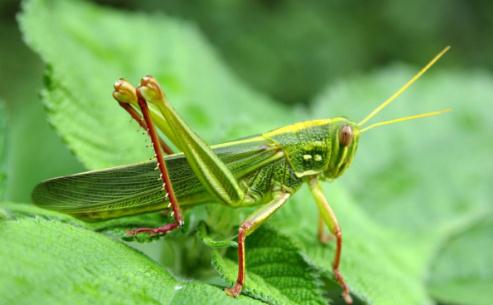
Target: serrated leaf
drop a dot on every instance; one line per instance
(276, 272)
(116, 44)
(105, 270)
(463, 273)
(32, 144)
(197, 293)
(22, 210)
(41, 262)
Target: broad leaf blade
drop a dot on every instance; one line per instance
(463, 273)
(41, 262)
(105, 45)
(197, 293)
(104, 270)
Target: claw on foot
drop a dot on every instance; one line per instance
(234, 291)
(347, 298)
(154, 231)
(345, 289)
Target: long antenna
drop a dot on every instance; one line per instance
(404, 88)
(406, 118)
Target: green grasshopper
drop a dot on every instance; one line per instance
(263, 170)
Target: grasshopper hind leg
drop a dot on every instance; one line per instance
(154, 231)
(331, 221)
(133, 113)
(123, 93)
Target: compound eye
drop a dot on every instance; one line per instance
(346, 135)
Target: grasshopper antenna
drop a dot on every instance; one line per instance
(406, 118)
(402, 90)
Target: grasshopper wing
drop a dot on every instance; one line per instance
(135, 189)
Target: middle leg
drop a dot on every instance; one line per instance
(322, 236)
(331, 221)
(246, 228)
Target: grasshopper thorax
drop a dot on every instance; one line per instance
(318, 147)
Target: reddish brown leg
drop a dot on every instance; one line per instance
(335, 266)
(151, 130)
(247, 227)
(240, 280)
(331, 221)
(167, 150)
(154, 231)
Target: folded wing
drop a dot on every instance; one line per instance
(137, 188)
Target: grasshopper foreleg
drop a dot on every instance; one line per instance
(331, 221)
(246, 228)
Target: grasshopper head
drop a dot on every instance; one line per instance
(346, 136)
(344, 143)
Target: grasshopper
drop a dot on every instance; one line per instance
(263, 170)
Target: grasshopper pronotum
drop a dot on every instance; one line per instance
(263, 170)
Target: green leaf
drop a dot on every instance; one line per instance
(34, 151)
(3, 146)
(197, 293)
(463, 273)
(276, 272)
(42, 262)
(22, 210)
(105, 45)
